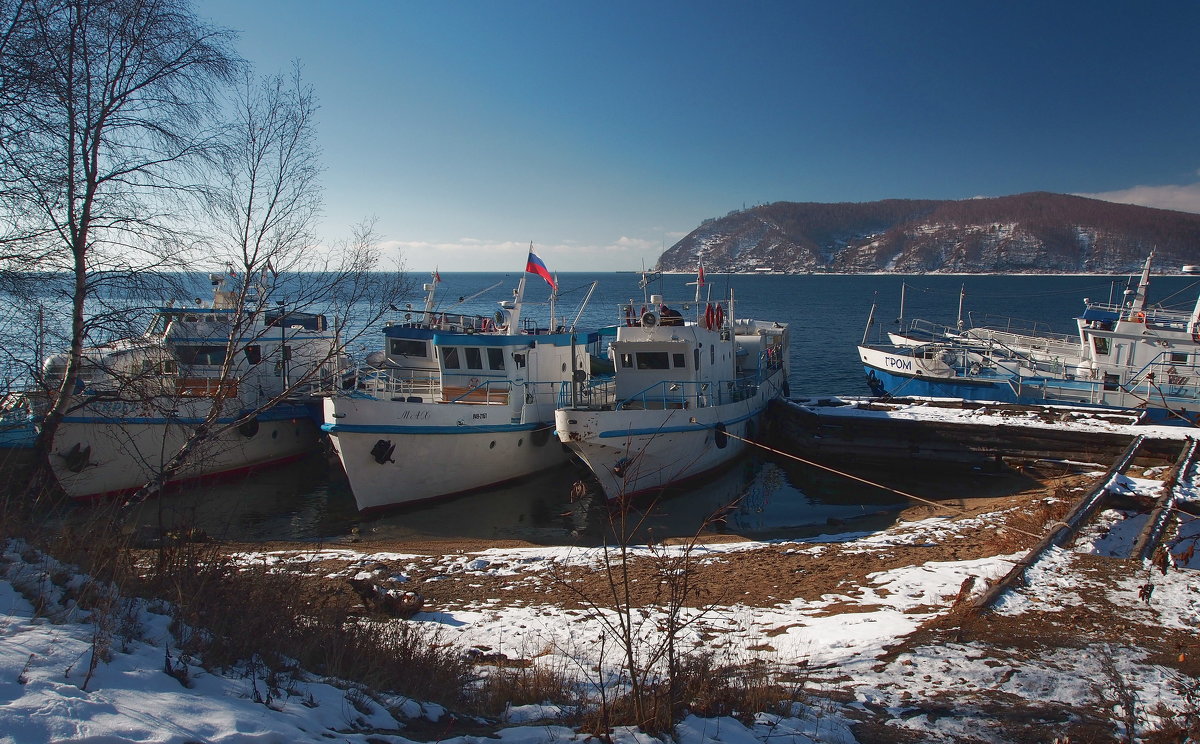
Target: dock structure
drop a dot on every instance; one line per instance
(995, 436)
(963, 433)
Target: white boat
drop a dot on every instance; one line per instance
(139, 400)
(1131, 355)
(684, 396)
(454, 403)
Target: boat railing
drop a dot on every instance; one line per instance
(594, 393)
(1158, 317)
(449, 322)
(926, 329)
(770, 361)
(961, 359)
(669, 394)
(1166, 376)
(1016, 326)
(1162, 383)
(1034, 348)
(398, 384)
(708, 313)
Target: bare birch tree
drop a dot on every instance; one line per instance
(262, 207)
(105, 103)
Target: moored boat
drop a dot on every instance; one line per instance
(455, 403)
(1131, 355)
(685, 394)
(139, 400)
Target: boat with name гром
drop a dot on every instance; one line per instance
(689, 387)
(455, 403)
(1127, 355)
(138, 400)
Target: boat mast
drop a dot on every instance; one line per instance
(870, 319)
(962, 294)
(586, 299)
(514, 314)
(1137, 304)
(431, 290)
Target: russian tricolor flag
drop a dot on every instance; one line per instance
(535, 266)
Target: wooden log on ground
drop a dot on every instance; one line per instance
(1063, 531)
(1156, 525)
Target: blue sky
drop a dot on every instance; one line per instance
(603, 132)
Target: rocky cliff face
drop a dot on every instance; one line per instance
(1028, 233)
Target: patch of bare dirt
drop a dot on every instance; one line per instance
(982, 526)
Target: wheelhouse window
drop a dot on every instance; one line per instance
(1101, 345)
(202, 355)
(627, 361)
(495, 358)
(677, 360)
(474, 358)
(253, 354)
(450, 357)
(408, 347)
(653, 360)
(1179, 357)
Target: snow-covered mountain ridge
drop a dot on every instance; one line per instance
(1027, 233)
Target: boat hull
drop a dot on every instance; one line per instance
(897, 374)
(107, 452)
(634, 452)
(396, 452)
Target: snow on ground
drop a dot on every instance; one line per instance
(49, 690)
(1074, 418)
(54, 686)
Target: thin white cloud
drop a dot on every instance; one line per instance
(1184, 198)
(475, 254)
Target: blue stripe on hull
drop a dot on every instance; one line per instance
(336, 429)
(277, 413)
(899, 385)
(676, 429)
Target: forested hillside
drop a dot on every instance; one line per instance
(1025, 233)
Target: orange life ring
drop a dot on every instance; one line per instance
(629, 315)
(1139, 317)
(710, 317)
(483, 325)
(720, 315)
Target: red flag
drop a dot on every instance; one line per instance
(700, 275)
(437, 278)
(534, 265)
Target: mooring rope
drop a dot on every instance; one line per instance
(843, 474)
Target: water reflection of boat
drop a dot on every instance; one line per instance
(455, 403)
(686, 392)
(138, 400)
(1131, 355)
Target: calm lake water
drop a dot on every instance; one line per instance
(771, 497)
